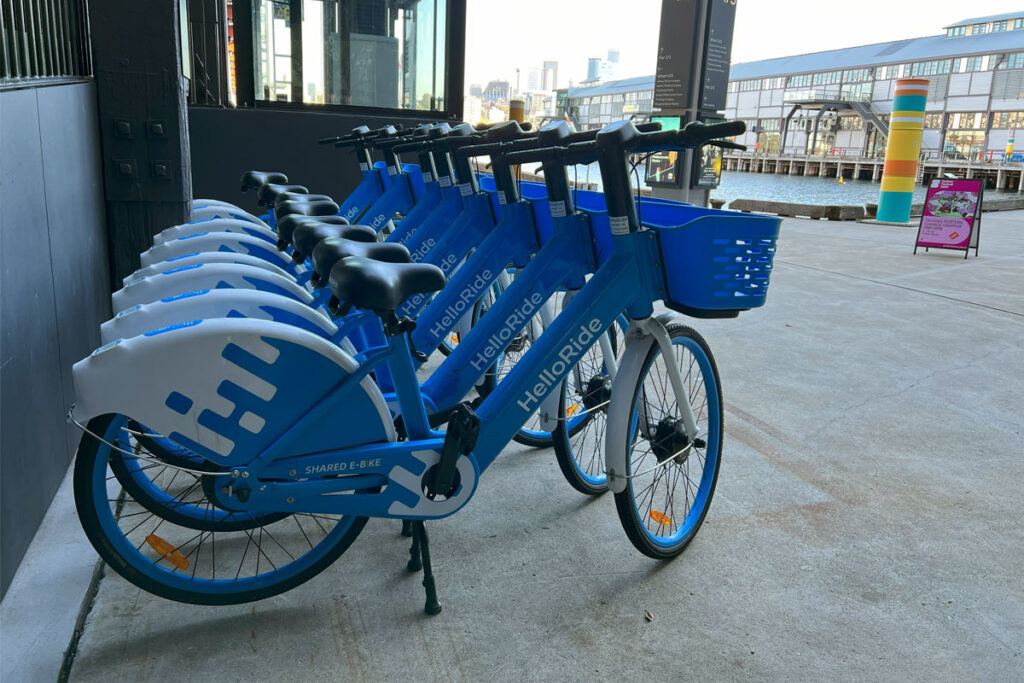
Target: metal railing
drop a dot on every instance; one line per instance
(43, 41)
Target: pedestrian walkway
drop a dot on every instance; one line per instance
(867, 525)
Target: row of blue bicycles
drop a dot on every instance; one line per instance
(264, 387)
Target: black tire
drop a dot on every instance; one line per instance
(664, 461)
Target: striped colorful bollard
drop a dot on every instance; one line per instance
(1009, 148)
(906, 126)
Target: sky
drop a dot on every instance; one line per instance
(501, 36)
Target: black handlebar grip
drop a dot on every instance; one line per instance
(726, 144)
(649, 127)
(709, 131)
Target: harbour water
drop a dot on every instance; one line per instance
(807, 189)
(779, 188)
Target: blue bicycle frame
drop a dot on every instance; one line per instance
(628, 280)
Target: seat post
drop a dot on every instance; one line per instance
(403, 374)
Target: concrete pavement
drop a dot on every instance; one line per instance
(867, 523)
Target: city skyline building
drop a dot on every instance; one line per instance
(550, 76)
(497, 91)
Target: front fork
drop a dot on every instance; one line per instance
(642, 334)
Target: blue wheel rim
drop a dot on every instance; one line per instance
(711, 453)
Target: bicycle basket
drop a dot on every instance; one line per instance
(718, 263)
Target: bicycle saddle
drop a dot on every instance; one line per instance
(380, 286)
(300, 197)
(331, 250)
(286, 227)
(308, 234)
(268, 194)
(311, 208)
(254, 179)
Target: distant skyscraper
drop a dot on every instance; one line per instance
(533, 80)
(550, 76)
(610, 66)
(593, 68)
(475, 90)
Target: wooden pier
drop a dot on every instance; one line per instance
(1000, 176)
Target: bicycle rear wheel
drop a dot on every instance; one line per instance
(166, 479)
(671, 476)
(179, 562)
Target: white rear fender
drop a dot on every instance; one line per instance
(228, 388)
(206, 276)
(202, 213)
(202, 203)
(215, 241)
(216, 303)
(205, 257)
(216, 225)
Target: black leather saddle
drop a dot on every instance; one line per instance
(286, 227)
(252, 180)
(332, 249)
(268, 194)
(323, 207)
(380, 286)
(309, 233)
(299, 197)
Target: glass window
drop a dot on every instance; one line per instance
(1008, 119)
(974, 63)
(933, 120)
(973, 120)
(1015, 61)
(998, 26)
(354, 52)
(979, 28)
(1018, 23)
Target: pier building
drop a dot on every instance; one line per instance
(827, 113)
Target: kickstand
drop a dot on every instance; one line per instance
(421, 542)
(415, 560)
(407, 528)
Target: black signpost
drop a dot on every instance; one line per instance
(694, 47)
(677, 41)
(717, 52)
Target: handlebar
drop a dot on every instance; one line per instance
(356, 133)
(458, 136)
(629, 138)
(363, 139)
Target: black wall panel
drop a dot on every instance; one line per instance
(226, 142)
(54, 292)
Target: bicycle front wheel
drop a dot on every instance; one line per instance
(222, 564)
(671, 475)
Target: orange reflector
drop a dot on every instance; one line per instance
(572, 409)
(661, 518)
(167, 551)
(455, 337)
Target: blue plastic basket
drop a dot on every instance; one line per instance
(718, 263)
